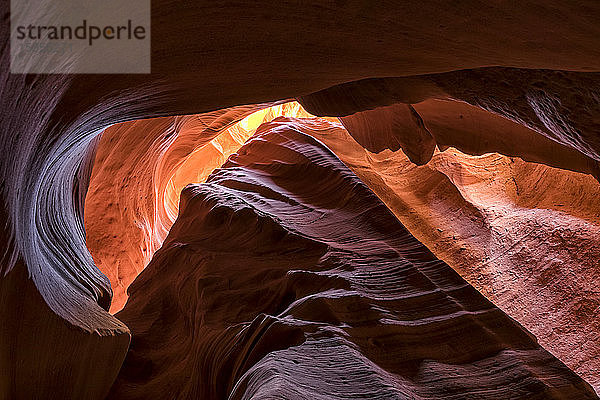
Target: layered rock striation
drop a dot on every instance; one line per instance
(535, 63)
(286, 276)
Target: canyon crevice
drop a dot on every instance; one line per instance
(319, 311)
(327, 201)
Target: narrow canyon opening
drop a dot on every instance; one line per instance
(140, 169)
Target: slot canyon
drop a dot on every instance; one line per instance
(320, 200)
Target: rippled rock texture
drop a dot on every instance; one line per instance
(285, 276)
(524, 234)
(139, 171)
(472, 78)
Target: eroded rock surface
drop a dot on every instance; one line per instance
(139, 171)
(546, 62)
(524, 234)
(286, 276)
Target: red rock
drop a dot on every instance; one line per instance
(535, 63)
(285, 276)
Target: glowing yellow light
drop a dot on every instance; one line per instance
(201, 162)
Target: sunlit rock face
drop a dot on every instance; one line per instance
(140, 169)
(506, 225)
(460, 206)
(483, 78)
(557, 112)
(286, 276)
(524, 234)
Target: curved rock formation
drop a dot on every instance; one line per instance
(139, 171)
(462, 207)
(524, 234)
(285, 276)
(560, 109)
(536, 63)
